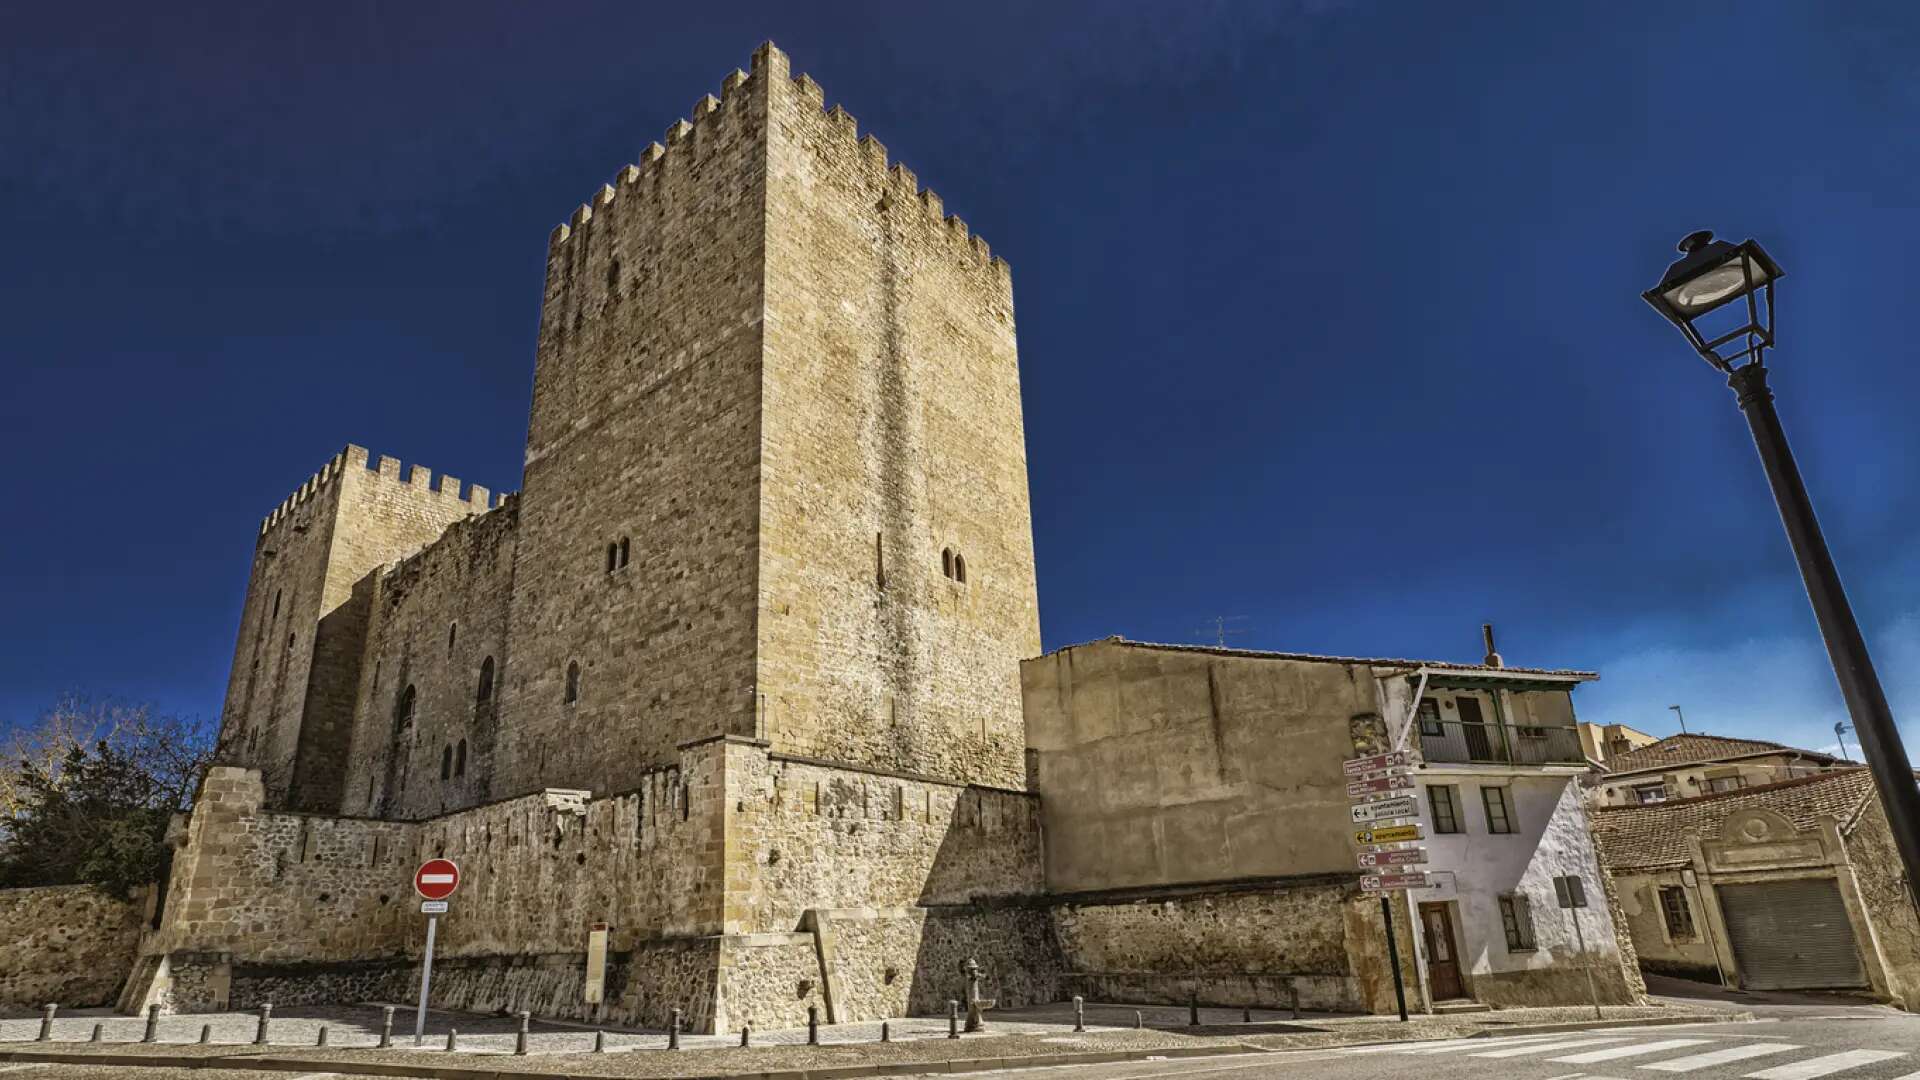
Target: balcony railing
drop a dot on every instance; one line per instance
(1500, 744)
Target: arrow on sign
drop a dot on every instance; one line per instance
(1402, 857)
(1384, 783)
(1404, 806)
(1373, 762)
(1391, 834)
(1389, 882)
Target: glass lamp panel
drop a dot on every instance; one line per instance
(1708, 290)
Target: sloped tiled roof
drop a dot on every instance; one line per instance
(1656, 835)
(1688, 749)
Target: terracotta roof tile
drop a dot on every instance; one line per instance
(1656, 835)
(1437, 665)
(1687, 749)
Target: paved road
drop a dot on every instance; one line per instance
(1789, 1042)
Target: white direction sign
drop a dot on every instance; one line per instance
(433, 907)
(1395, 857)
(1382, 785)
(1392, 882)
(1403, 806)
(1375, 762)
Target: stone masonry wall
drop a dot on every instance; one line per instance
(438, 626)
(70, 944)
(891, 433)
(644, 429)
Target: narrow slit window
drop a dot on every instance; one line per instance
(446, 762)
(573, 683)
(960, 569)
(624, 551)
(460, 759)
(946, 562)
(613, 554)
(484, 693)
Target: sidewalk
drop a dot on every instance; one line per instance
(1027, 1037)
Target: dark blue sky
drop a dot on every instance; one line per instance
(1328, 312)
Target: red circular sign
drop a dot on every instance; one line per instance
(436, 879)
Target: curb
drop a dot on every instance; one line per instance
(241, 1060)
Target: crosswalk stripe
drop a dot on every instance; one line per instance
(1541, 1048)
(1821, 1066)
(1450, 1046)
(1630, 1050)
(1720, 1057)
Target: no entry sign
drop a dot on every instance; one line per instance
(436, 879)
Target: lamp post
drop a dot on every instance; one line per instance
(1736, 282)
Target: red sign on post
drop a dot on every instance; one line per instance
(436, 879)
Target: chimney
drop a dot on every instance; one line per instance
(1493, 658)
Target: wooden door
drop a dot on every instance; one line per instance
(1443, 958)
(1473, 728)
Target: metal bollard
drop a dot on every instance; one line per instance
(153, 1025)
(266, 1017)
(453, 1039)
(206, 1034)
(46, 1022)
(1193, 1009)
(1293, 994)
(886, 1031)
(321, 1039)
(1246, 1014)
(746, 1035)
(600, 1042)
(520, 1037)
(813, 1025)
(1079, 1013)
(386, 1027)
(99, 1032)
(953, 1019)
(1139, 1021)
(673, 1030)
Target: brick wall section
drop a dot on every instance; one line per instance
(892, 431)
(70, 944)
(437, 618)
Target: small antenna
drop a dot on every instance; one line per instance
(1220, 631)
(1840, 732)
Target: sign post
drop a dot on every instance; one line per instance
(1384, 804)
(434, 881)
(1571, 892)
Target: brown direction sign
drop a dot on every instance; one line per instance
(1401, 857)
(1391, 834)
(1378, 786)
(1376, 762)
(1390, 882)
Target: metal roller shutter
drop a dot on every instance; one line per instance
(1791, 935)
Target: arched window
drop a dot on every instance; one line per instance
(403, 710)
(485, 693)
(613, 555)
(276, 605)
(453, 631)
(460, 759)
(946, 561)
(446, 762)
(573, 683)
(623, 551)
(960, 569)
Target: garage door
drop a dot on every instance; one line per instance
(1791, 935)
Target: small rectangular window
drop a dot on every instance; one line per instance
(1499, 813)
(1443, 800)
(1517, 921)
(1673, 906)
(1429, 714)
(1719, 784)
(1650, 793)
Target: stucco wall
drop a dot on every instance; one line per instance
(71, 944)
(1160, 767)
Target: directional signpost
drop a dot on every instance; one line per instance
(1385, 807)
(434, 881)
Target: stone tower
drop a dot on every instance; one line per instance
(780, 387)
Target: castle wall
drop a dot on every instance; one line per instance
(438, 626)
(891, 433)
(646, 407)
(296, 665)
(68, 944)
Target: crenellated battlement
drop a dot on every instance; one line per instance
(770, 63)
(387, 470)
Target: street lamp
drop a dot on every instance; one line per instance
(1712, 276)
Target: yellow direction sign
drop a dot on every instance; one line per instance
(1392, 834)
